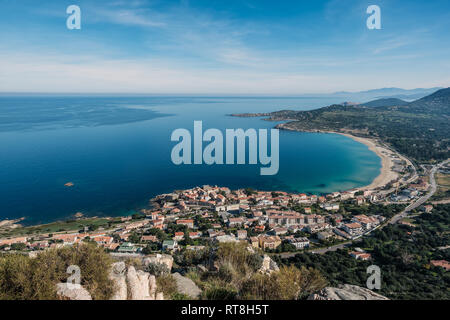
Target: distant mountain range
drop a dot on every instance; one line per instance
(385, 93)
(437, 103)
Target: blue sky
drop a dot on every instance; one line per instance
(223, 47)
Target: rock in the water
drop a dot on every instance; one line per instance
(187, 286)
(65, 291)
(346, 292)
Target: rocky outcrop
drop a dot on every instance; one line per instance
(160, 259)
(67, 291)
(346, 292)
(187, 286)
(268, 265)
(118, 276)
(133, 284)
(139, 284)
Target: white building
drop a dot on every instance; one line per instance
(300, 243)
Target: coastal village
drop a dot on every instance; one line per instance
(189, 219)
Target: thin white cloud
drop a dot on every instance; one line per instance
(203, 53)
(131, 17)
(93, 74)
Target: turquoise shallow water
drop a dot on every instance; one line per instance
(117, 152)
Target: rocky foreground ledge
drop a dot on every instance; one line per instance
(129, 283)
(132, 284)
(346, 292)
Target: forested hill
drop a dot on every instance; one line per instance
(437, 103)
(389, 102)
(419, 130)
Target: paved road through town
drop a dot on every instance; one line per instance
(423, 199)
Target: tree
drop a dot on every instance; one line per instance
(187, 241)
(134, 238)
(157, 269)
(138, 216)
(161, 235)
(151, 247)
(18, 246)
(249, 191)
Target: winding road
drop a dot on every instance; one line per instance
(422, 199)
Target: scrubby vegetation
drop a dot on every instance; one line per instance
(237, 276)
(157, 269)
(25, 278)
(167, 284)
(230, 271)
(290, 283)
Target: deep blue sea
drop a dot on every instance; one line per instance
(116, 150)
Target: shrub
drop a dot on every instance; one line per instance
(134, 262)
(167, 285)
(18, 246)
(192, 257)
(255, 261)
(157, 269)
(23, 278)
(238, 256)
(289, 283)
(180, 296)
(226, 272)
(14, 277)
(219, 290)
(221, 293)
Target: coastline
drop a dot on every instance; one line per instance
(386, 173)
(385, 176)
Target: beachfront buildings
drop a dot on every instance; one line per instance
(213, 214)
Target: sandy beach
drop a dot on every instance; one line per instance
(386, 175)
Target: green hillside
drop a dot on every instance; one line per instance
(419, 130)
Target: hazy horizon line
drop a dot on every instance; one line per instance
(200, 94)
